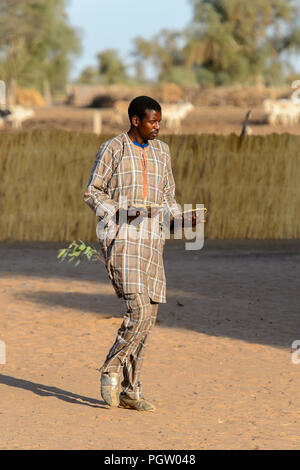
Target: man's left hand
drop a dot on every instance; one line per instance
(193, 218)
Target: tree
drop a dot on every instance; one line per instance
(164, 51)
(111, 68)
(89, 76)
(36, 43)
(239, 41)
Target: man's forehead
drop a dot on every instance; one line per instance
(152, 114)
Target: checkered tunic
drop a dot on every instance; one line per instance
(123, 175)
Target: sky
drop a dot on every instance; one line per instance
(113, 24)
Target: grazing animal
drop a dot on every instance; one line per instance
(281, 112)
(173, 114)
(3, 115)
(16, 115)
(120, 114)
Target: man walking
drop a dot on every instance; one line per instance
(133, 167)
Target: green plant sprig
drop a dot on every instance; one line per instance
(78, 250)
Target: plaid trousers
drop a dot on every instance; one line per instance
(127, 352)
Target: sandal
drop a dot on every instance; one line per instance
(139, 404)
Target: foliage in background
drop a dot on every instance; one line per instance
(36, 43)
(227, 42)
(241, 42)
(111, 70)
(250, 186)
(89, 76)
(164, 51)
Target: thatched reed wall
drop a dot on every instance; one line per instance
(250, 186)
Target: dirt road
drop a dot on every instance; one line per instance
(222, 119)
(218, 365)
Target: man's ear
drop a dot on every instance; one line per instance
(135, 120)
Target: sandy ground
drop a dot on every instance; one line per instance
(204, 119)
(218, 365)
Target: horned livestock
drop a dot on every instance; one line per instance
(3, 115)
(173, 114)
(16, 115)
(281, 112)
(120, 113)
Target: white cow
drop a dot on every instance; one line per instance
(120, 113)
(16, 115)
(281, 112)
(173, 114)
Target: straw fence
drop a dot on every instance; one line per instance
(250, 186)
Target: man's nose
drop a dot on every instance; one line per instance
(157, 125)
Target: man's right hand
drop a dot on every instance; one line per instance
(128, 215)
(134, 212)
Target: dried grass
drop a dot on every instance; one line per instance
(29, 97)
(250, 186)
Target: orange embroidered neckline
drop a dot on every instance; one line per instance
(144, 166)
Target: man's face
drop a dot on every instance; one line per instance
(149, 126)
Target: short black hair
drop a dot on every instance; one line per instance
(139, 105)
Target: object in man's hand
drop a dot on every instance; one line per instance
(128, 215)
(134, 212)
(144, 211)
(153, 210)
(190, 218)
(194, 217)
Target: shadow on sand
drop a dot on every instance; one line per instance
(245, 289)
(46, 391)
